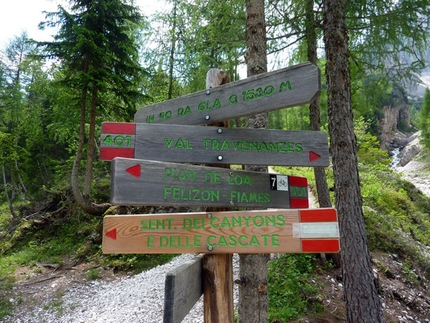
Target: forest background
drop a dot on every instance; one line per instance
(174, 50)
(44, 87)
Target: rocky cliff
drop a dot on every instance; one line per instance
(394, 116)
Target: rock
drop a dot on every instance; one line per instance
(399, 140)
(392, 116)
(410, 151)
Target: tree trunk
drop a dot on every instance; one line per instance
(9, 201)
(172, 51)
(91, 143)
(83, 200)
(253, 297)
(24, 189)
(362, 302)
(314, 107)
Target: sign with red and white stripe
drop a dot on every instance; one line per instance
(263, 231)
(118, 140)
(144, 182)
(213, 145)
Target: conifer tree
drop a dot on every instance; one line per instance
(96, 48)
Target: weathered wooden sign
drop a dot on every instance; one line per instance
(184, 286)
(262, 231)
(176, 143)
(144, 182)
(288, 87)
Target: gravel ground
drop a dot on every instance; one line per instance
(138, 298)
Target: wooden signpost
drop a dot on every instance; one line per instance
(262, 231)
(145, 171)
(176, 143)
(144, 182)
(288, 87)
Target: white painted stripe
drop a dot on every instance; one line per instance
(316, 230)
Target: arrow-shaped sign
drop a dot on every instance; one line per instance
(214, 145)
(288, 87)
(145, 182)
(263, 231)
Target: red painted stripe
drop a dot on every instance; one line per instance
(111, 153)
(297, 181)
(320, 245)
(296, 203)
(318, 215)
(123, 128)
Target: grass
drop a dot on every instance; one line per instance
(397, 218)
(69, 237)
(292, 288)
(397, 215)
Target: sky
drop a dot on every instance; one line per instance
(17, 16)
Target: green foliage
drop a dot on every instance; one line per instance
(369, 151)
(99, 73)
(397, 215)
(92, 274)
(415, 110)
(292, 289)
(385, 34)
(200, 35)
(425, 120)
(296, 118)
(8, 149)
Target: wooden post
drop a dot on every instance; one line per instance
(218, 288)
(218, 268)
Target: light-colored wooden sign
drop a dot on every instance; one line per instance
(256, 231)
(196, 144)
(288, 87)
(183, 288)
(144, 182)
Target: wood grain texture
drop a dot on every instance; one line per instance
(183, 288)
(144, 182)
(260, 93)
(255, 231)
(178, 143)
(218, 291)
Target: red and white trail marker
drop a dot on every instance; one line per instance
(257, 231)
(213, 145)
